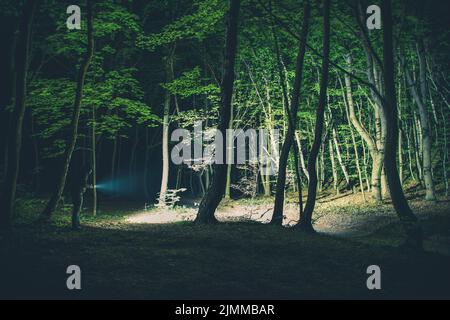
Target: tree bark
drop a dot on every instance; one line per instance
(408, 219)
(229, 156)
(333, 167)
(216, 188)
(165, 133)
(94, 163)
(277, 217)
(425, 123)
(305, 223)
(73, 135)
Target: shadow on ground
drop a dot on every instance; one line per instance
(229, 260)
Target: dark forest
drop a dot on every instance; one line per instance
(212, 149)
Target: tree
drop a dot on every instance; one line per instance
(57, 193)
(305, 223)
(216, 189)
(168, 65)
(408, 219)
(420, 100)
(277, 217)
(22, 53)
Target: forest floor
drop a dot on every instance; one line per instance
(156, 254)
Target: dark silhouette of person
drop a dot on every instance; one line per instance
(77, 190)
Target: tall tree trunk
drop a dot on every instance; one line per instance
(114, 165)
(401, 131)
(339, 157)
(333, 167)
(347, 96)
(305, 223)
(417, 147)
(165, 133)
(229, 156)
(14, 142)
(94, 163)
(377, 158)
(377, 154)
(409, 146)
(146, 158)
(277, 217)
(445, 151)
(302, 158)
(379, 184)
(421, 102)
(165, 152)
(404, 212)
(216, 188)
(73, 135)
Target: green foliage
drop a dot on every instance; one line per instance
(199, 24)
(191, 83)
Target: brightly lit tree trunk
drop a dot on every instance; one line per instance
(216, 189)
(420, 100)
(277, 217)
(305, 223)
(168, 61)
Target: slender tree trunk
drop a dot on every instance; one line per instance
(346, 100)
(376, 155)
(298, 177)
(305, 223)
(165, 135)
(339, 157)
(409, 220)
(146, 158)
(358, 166)
(113, 164)
(409, 147)
(445, 151)
(333, 167)
(321, 169)
(73, 135)
(216, 189)
(400, 148)
(424, 121)
(302, 158)
(229, 156)
(419, 148)
(378, 177)
(94, 163)
(14, 142)
(277, 217)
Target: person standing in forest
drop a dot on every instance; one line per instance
(77, 190)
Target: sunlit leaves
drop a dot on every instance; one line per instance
(189, 84)
(192, 26)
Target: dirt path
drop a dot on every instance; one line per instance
(346, 215)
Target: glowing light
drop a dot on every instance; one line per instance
(162, 217)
